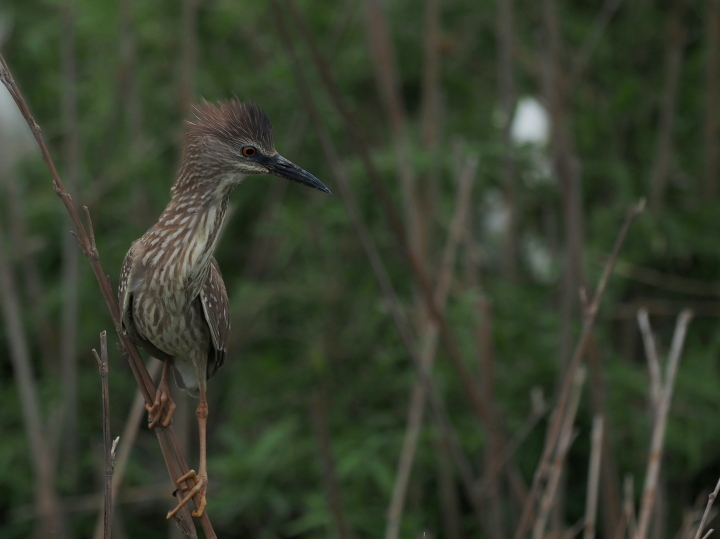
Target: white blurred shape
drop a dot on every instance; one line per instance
(531, 124)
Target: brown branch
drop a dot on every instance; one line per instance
(593, 486)
(674, 56)
(667, 281)
(427, 292)
(166, 436)
(703, 521)
(662, 407)
(537, 412)
(589, 321)
(388, 82)
(318, 408)
(70, 260)
(591, 41)
(566, 168)
(45, 495)
(378, 266)
(547, 501)
(128, 436)
(427, 355)
(711, 115)
(102, 361)
(652, 357)
(505, 34)
(495, 443)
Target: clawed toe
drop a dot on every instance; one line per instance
(199, 488)
(162, 409)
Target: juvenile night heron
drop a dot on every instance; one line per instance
(172, 296)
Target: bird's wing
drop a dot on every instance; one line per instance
(214, 299)
(131, 276)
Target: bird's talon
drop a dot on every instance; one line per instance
(162, 409)
(199, 488)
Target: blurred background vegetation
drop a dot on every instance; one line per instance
(549, 118)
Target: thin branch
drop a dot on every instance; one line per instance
(166, 435)
(658, 434)
(427, 356)
(674, 57)
(566, 437)
(629, 505)
(109, 448)
(378, 267)
(427, 292)
(70, 259)
(591, 41)
(318, 408)
(593, 486)
(652, 357)
(703, 521)
(128, 436)
(538, 411)
(590, 315)
(44, 484)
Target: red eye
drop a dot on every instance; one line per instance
(249, 151)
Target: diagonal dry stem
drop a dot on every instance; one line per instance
(706, 514)
(554, 430)
(175, 461)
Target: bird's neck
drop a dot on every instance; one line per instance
(187, 232)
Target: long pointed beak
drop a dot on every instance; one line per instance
(277, 165)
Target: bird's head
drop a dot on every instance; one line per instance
(234, 140)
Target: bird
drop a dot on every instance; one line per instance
(172, 297)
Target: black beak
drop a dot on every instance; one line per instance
(277, 165)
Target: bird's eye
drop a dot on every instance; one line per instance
(248, 151)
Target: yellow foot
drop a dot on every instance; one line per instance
(162, 409)
(199, 488)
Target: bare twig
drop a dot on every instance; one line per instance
(652, 357)
(166, 435)
(629, 505)
(566, 437)
(538, 411)
(703, 521)
(128, 436)
(592, 39)
(660, 421)
(590, 315)
(388, 82)
(318, 408)
(593, 478)
(378, 266)
(505, 32)
(674, 57)
(427, 356)
(711, 115)
(427, 293)
(102, 361)
(70, 258)
(44, 484)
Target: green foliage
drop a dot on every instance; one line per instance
(308, 316)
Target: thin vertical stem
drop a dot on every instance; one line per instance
(591, 501)
(658, 434)
(70, 259)
(554, 430)
(102, 361)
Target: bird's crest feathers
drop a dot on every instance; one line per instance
(233, 122)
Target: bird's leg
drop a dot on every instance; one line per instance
(201, 477)
(163, 402)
